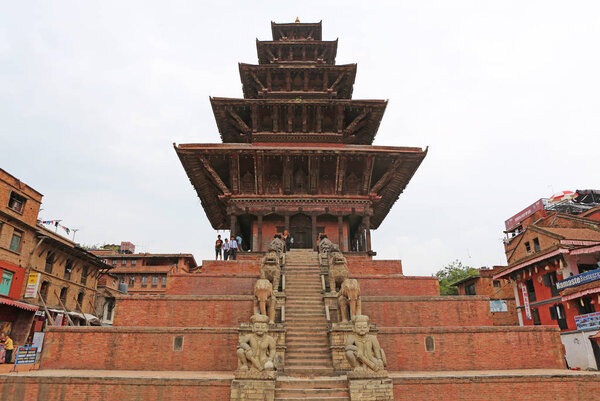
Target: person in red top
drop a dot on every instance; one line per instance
(218, 248)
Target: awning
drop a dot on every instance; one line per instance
(581, 293)
(88, 316)
(584, 251)
(20, 305)
(529, 262)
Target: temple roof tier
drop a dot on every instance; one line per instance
(296, 52)
(351, 179)
(294, 120)
(296, 31)
(297, 81)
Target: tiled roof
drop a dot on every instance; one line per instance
(585, 234)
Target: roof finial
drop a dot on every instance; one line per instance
(297, 20)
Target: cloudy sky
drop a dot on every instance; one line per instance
(506, 95)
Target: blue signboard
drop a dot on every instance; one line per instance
(26, 355)
(579, 279)
(588, 321)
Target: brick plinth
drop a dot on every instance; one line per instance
(77, 386)
(211, 284)
(457, 348)
(140, 348)
(397, 285)
(183, 311)
(428, 311)
(509, 386)
(252, 390)
(472, 348)
(364, 266)
(371, 390)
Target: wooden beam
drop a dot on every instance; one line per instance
(288, 80)
(259, 172)
(48, 316)
(214, 176)
(87, 323)
(290, 118)
(235, 173)
(319, 118)
(270, 53)
(367, 174)
(337, 81)
(341, 174)
(238, 122)
(304, 118)
(353, 126)
(306, 80)
(340, 118)
(254, 108)
(325, 79)
(385, 178)
(268, 78)
(275, 115)
(260, 84)
(64, 308)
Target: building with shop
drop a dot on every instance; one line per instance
(502, 299)
(554, 267)
(143, 273)
(46, 278)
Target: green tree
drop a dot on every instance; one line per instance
(452, 273)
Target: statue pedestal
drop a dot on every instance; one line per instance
(367, 389)
(248, 389)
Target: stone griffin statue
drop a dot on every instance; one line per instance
(264, 299)
(279, 246)
(269, 268)
(349, 298)
(256, 351)
(338, 268)
(325, 246)
(362, 349)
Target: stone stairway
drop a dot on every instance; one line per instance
(308, 367)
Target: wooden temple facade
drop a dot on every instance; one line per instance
(296, 151)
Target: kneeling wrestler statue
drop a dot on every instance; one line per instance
(256, 351)
(362, 349)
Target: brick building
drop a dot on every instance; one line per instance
(34, 262)
(500, 292)
(144, 273)
(553, 264)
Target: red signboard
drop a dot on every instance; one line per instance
(523, 214)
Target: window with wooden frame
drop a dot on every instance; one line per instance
(15, 241)
(16, 202)
(68, 269)
(145, 281)
(50, 257)
(527, 247)
(84, 274)
(536, 245)
(154, 281)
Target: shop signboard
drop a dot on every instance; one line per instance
(498, 306)
(33, 283)
(579, 279)
(526, 301)
(588, 321)
(26, 355)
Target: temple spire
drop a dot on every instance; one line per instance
(297, 20)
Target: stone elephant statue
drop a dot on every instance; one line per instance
(338, 269)
(349, 300)
(269, 268)
(264, 299)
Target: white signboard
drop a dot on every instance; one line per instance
(38, 340)
(498, 306)
(33, 283)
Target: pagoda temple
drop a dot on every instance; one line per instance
(297, 150)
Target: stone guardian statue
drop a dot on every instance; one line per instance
(256, 351)
(363, 350)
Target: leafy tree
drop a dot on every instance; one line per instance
(452, 273)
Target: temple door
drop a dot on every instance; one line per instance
(301, 231)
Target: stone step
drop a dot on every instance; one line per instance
(309, 350)
(308, 371)
(329, 383)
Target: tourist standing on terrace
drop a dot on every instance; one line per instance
(218, 246)
(226, 249)
(233, 247)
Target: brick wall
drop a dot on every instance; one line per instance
(26, 387)
(397, 285)
(472, 348)
(365, 266)
(231, 266)
(211, 284)
(183, 311)
(128, 348)
(427, 311)
(533, 387)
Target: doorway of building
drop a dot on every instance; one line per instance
(596, 350)
(301, 231)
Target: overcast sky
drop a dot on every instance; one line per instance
(506, 94)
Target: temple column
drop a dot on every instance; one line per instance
(233, 220)
(367, 224)
(286, 220)
(315, 235)
(341, 232)
(259, 226)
